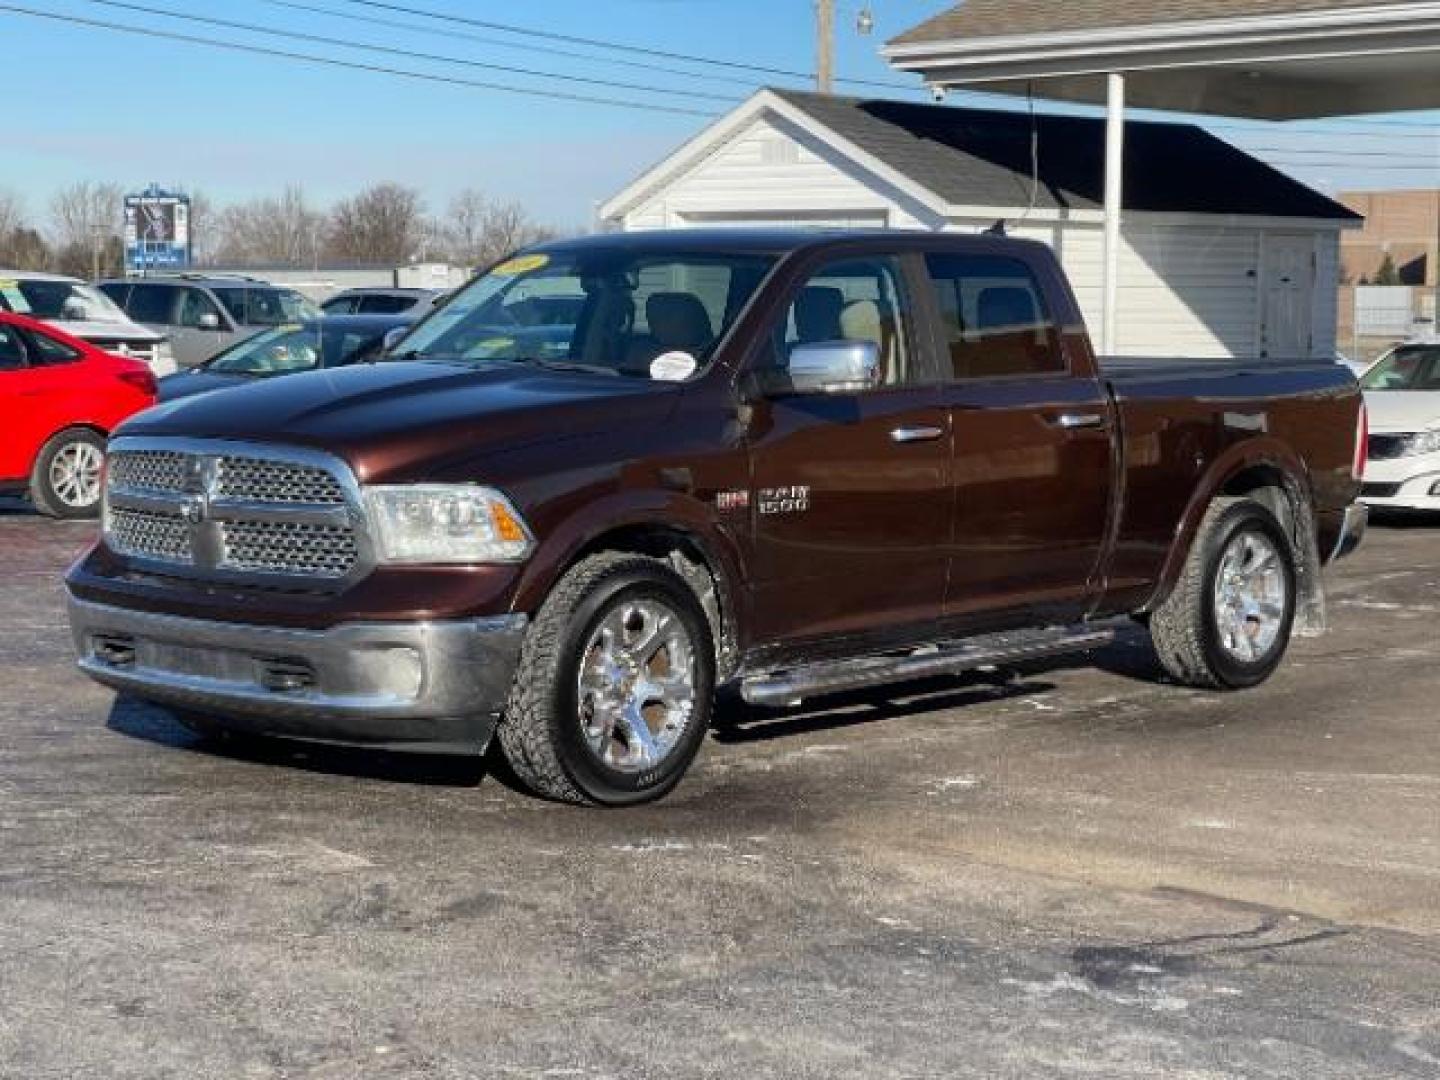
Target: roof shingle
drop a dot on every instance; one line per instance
(980, 157)
(1002, 18)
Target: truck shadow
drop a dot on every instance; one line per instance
(139, 720)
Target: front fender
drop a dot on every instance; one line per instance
(624, 512)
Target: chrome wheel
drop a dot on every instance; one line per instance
(1251, 595)
(75, 474)
(636, 692)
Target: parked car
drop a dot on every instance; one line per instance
(1402, 391)
(60, 397)
(799, 463)
(83, 311)
(328, 342)
(413, 302)
(204, 315)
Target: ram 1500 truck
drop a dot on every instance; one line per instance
(615, 473)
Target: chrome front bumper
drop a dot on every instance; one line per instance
(1352, 530)
(436, 686)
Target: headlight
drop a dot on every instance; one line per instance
(1426, 442)
(446, 523)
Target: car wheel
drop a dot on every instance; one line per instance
(67, 476)
(1227, 623)
(613, 693)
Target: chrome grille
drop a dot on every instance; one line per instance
(149, 470)
(259, 480)
(214, 509)
(288, 547)
(150, 535)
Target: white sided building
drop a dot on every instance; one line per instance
(1221, 255)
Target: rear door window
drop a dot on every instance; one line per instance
(993, 317)
(152, 304)
(382, 304)
(46, 350)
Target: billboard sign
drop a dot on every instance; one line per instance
(157, 231)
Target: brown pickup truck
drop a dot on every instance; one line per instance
(615, 473)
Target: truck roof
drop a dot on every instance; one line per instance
(757, 241)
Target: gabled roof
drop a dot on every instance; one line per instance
(1003, 18)
(951, 157)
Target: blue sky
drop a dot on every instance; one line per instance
(98, 104)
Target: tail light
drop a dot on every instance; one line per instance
(1362, 442)
(142, 379)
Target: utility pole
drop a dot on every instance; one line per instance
(824, 46)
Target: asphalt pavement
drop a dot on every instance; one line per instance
(1077, 872)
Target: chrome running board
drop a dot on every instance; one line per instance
(793, 685)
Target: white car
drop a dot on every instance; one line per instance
(1402, 394)
(85, 312)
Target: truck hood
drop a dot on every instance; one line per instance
(395, 422)
(1395, 411)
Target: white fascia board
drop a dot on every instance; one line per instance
(1288, 26)
(722, 130)
(1013, 215)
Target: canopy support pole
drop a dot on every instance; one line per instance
(1114, 201)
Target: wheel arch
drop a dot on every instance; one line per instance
(1271, 473)
(705, 556)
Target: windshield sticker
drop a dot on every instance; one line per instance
(521, 264)
(14, 298)
(672, 367)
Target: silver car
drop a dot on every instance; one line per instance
(206, 314)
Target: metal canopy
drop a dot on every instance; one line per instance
(1274, 60)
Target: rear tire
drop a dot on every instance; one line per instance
(1227, 623)
(621, 641)
(65, 482)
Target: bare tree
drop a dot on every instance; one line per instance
(281, 231)
(478, 231)
(382, 224)
(204, 231)
(87, 220)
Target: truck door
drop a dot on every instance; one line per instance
(850, 491)
(1032, 445)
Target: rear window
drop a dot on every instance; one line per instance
(382, 304)
(994, 317)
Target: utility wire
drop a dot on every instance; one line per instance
(637, 50)
(547, 50)
(351, 65)
(318, 39)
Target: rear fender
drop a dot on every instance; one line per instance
(1277, 457)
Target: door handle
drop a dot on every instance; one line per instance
(916, 434)
(1077, 421)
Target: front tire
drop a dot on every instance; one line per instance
(1227, 623)
(614, 689)
(66, 479)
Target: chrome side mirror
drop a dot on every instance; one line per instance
(208, 321)
(834, 367)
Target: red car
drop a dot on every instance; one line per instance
(59, 399)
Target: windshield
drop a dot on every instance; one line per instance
(265, 306)
(597, 309)
(59, 301)
(1410, 367)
